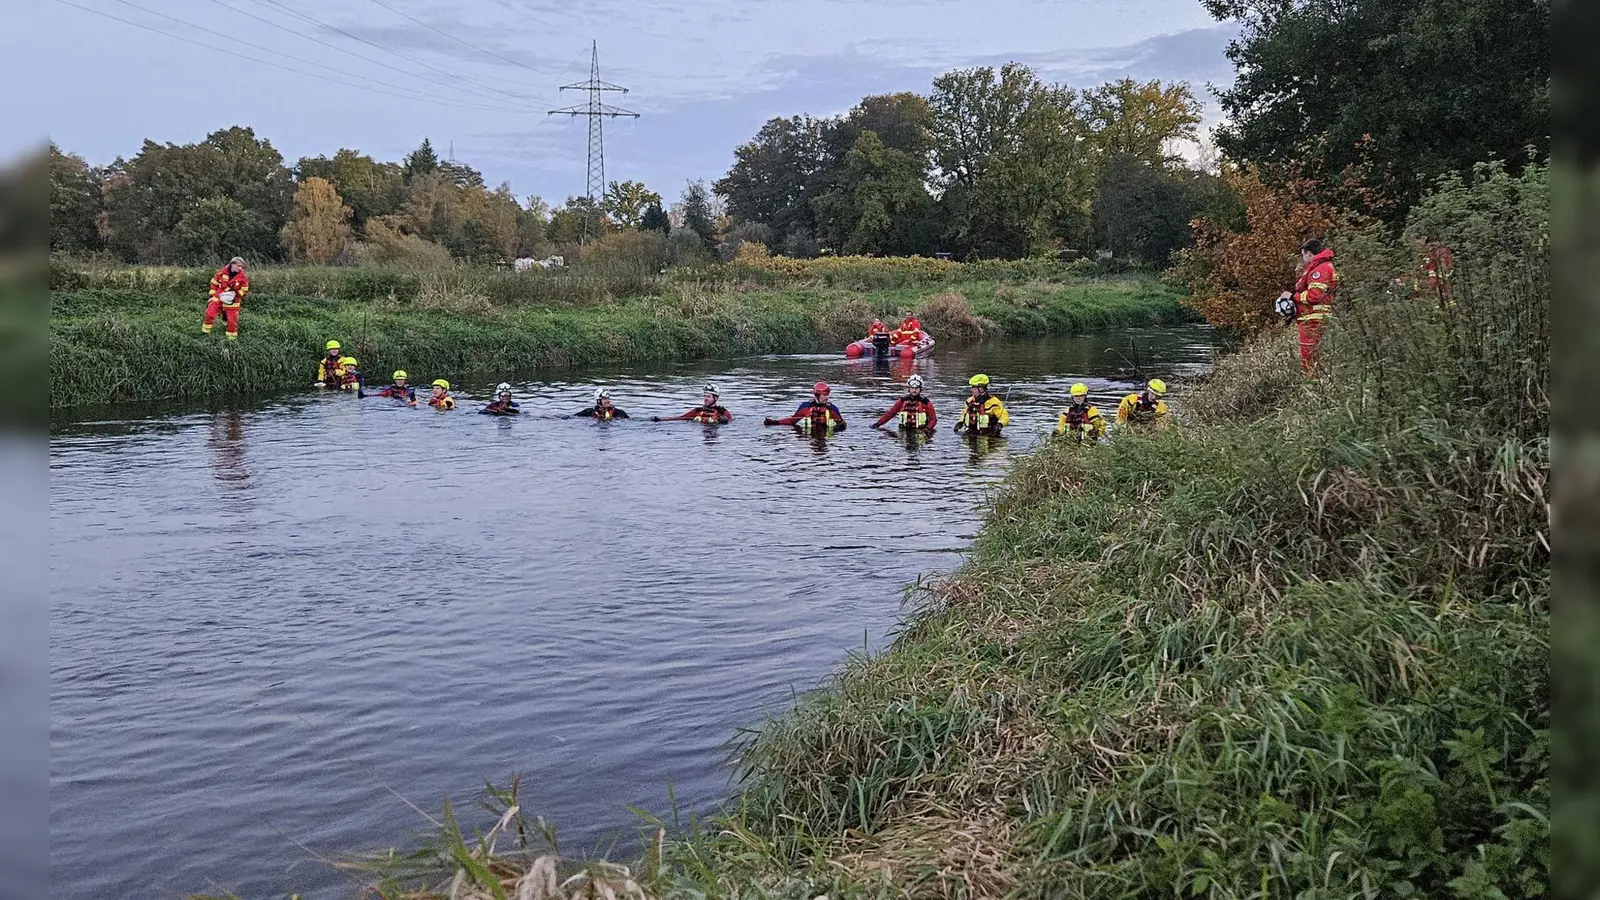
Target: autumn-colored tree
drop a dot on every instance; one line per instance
(1233, 276)
(1142, 120)
(319, 228)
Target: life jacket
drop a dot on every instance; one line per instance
(605, 413)
(914, 411)
(977, 416)
(222, 282)
(875, 330)
(445, 402)
(709, 415)
(332, 372)
(351, 379)
(1077, 416)
(818, 418)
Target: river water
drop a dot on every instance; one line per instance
(275, 627)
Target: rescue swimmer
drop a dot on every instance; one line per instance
(709, 412)
(914, 410)
(1081, 421)
(983, 414)
(815, 416)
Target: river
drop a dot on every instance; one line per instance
(275, 627)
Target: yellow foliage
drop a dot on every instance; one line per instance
(752, 251)
(319, 228)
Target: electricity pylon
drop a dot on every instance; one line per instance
(596, 111)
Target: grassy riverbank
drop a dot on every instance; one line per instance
(1297, 647)
(119, 335)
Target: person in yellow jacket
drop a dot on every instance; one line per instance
(984, 413)
(1081, 420)
(330, 369)
(1146, 409)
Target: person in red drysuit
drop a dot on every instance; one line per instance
(915, 411)
(816, 415)
(228, 288)
(1313, 298)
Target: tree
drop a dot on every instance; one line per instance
(775, 175)
(1013, 160)
(699, 215)
(625, 202)
(1141, 120)
(901, 121)
(421, 161)
(1142, 211)
(1436, 85)
(571, 222)
(74, 203)
(148, 196)
(217, 228)
(879, 203)
(319, 229)
(655, 219)
(369, 187)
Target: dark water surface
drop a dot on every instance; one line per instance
(269, 625)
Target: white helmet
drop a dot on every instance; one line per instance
(914, 381)
(602, 394)
(712, 390)
(502, 388)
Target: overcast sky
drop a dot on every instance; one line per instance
(481, 74)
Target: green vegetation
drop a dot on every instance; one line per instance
(1297, 647)
(122, 334)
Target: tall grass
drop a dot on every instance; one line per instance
(135, 334)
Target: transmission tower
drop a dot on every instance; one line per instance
(596, 111)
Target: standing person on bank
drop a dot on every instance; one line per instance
(1313, 298)
(228, 288)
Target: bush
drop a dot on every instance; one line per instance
(627, 254)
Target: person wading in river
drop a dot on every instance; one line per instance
(1081, 421)
(709, 412)
(1145, 410)
(915, 411)
(602, 410)
(502, 405)
(984, 414)
(817, 415)
(330, 370)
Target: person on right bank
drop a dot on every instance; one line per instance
(1313, 298)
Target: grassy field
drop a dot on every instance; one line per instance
(134, 334)
(1296, 647)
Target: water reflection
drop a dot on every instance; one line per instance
(227, 445)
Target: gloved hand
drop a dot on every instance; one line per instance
(655, 418)
(769, 421)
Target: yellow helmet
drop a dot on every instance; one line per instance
(347, 361)
(1080, 389)
(331, 345)
(399, 374)
(1158, 386)
(440, 382)
(978, 380)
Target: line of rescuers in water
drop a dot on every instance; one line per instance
(982, 414)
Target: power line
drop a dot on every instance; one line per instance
(333, 46)
(238, 54)
(356, 37)
(531, 17)
(314, 64)
(460, 41)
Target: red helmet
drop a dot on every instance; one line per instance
(820, 387)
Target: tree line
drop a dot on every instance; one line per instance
(1364, 103)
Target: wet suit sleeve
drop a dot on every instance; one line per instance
(838, 417)
(894, 410)
(586, 412)
(620, 414)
